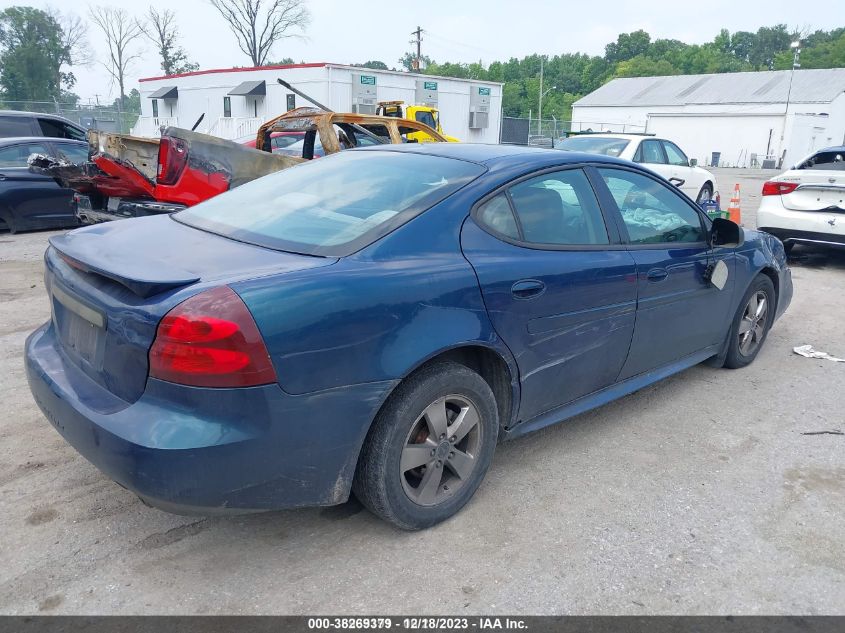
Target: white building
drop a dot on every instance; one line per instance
(742, 116)
(234, 102)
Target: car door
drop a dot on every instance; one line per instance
(558, 286)
(650, 153)
(31, 200)
(686, 178)
(679, 312)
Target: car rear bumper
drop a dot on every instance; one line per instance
(808, 227)
(201, 451)
(87, 213)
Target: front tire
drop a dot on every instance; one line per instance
(429, 447)
(752, 323)
(705, 194)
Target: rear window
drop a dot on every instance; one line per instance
(594, 145)
(831, 161)
(333, 206)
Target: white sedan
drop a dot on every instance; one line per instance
(807, 203)
(660, 155)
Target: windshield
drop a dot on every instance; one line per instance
(335, 205)
(594, 145)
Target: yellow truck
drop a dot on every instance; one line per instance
(422, 114)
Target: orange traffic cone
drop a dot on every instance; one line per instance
(734, 214)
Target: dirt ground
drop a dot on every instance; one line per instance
(702, 494)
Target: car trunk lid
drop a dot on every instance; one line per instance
(818, 190)
(110, 285)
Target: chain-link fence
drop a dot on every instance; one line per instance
(530, 131)
(108, 119)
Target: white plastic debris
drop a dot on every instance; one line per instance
(807, 351)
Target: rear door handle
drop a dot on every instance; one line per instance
(657, 274)
(528, 288)
(2, 176)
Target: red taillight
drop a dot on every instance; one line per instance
(172, 156)
(211, 340)
(775, 188)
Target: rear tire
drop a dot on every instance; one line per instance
(429, 447)
(751, 323)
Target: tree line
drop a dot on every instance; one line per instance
(573, 75)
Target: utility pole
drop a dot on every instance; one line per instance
(540, 108)
(795, 46)
(418, 41)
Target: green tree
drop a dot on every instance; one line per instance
(627, 46)
(32, 51)
(373, 64)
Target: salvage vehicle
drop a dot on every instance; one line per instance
(29, 200)
(376, 321)
(421, 113)
(806, 204)
(132, 176)
(659, 154)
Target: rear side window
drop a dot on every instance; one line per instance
(335, 205)
(496, 213)
(650, 152)
(652, 212)
(15, 126)
(17, 155)
(832, 161)
(559, 208)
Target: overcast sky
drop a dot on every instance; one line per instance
(456, 30)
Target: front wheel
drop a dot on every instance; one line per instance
(705, 194)
(429, 447)
(751, 324)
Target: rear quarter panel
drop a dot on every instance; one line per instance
(376, 315)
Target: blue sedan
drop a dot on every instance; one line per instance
(375, 322)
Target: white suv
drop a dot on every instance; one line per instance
(660, 155)
(807, 203)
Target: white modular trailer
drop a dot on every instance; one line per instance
(234, 102)
(741, 116)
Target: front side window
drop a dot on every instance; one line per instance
(60, 129)
(675, 155)
(335, 205)
(558, 208)
(17, 155)
(650, 152)
(72, 152)
(652, 211)
(426, 117)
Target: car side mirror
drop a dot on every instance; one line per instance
(693, 162)
(726, 233)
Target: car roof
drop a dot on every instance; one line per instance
(11, 140)
(531, 157)
(24, 113)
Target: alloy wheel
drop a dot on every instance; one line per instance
(441, 450)
(752, 327)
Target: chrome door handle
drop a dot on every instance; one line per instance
(657, 274)
(528, 289)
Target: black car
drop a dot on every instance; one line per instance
(16, 123)
(34, 201)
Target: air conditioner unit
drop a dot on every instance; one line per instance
(367, 106)
(479, 120)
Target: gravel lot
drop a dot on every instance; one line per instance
(698, 495)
